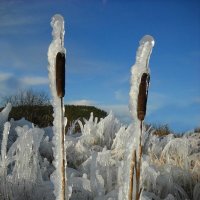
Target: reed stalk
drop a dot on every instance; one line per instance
(136, 162)
(131, 180)
(60, 88)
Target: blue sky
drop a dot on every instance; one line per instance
(101, 39)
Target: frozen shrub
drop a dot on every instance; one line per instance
(20, 172)
(196, 192)
(4, 118)
(176, 152)
(94, 136)
(170, 168)
(162, 130)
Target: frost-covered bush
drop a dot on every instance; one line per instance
(94, 136)
(171, 167)
(3, 118)
(20, 170)
(97, 157)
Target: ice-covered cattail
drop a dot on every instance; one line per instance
(139, 78)
(56, 58)
(60, 74)
(142, 96)
(138, 102)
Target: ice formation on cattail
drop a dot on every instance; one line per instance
(138, 70)
(56, 46)
(99, 155)
(140, 67)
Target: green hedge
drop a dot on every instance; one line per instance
(42, 115)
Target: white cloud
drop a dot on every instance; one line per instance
(83, 102)
(121, 111)
(31, 81)
(157, 101)
(5, 76)
(27, 58)
(9, 83)
(8, 21)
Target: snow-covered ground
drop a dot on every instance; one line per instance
(97, 158)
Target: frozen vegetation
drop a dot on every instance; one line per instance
(96, 161)
(99, 156)
(57, 45)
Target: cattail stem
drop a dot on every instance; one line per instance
(138, 167)
(131, 180)
(60, 88)
(136, 163)
(63, 151)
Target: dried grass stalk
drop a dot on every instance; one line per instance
(138, 172)
(60, 74)
(132, 169)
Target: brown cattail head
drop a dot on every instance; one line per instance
(142, 96)
(60, 74)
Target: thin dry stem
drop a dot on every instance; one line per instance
(136, 164)
(63, 154)
(133, 163)
(138, 170)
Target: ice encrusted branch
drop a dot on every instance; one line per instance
(57, 45)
